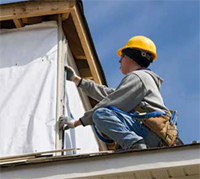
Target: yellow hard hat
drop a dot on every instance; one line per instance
(141, 43)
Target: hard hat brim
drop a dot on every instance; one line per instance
(119, 52)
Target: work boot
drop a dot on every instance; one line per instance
(139, 145)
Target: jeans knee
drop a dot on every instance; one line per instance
(98, 114)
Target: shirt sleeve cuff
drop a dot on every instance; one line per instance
(79, 84)
(82, 122)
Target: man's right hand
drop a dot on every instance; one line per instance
(70, 73)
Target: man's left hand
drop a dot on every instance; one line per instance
(66, 123)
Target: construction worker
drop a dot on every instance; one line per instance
(139, 91)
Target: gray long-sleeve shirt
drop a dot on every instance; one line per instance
(139, 89)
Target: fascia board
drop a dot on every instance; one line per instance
(95, 165)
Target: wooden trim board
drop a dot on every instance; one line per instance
(60, 82)
(33, 9)
(36, 154)
(85, 43)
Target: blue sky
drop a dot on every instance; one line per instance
(174, 26)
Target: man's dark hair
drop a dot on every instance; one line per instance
(136, 55)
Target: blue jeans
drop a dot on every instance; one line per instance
(123, 129)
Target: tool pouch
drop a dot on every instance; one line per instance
(163, 128)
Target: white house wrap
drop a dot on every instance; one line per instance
(28, 91)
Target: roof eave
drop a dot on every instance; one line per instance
(168, 162)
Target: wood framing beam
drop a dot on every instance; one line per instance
(85, 73)
(65, 16)
(33, 9)
(81, 57)
(72, 37)
(18, 23)
(89, 77)
(85, 43)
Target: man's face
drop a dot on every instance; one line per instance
(125, 64)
